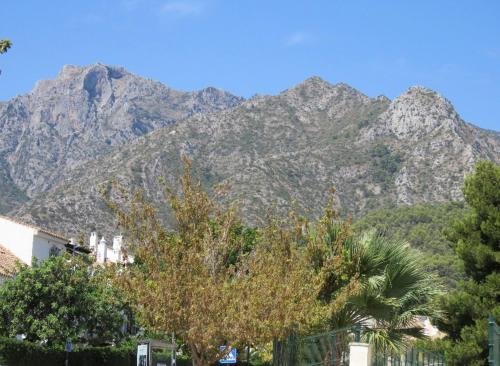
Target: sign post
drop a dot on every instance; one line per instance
(69, 348)
(173, 359)
(230, 358)
(143, 354)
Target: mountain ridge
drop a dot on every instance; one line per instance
(83, 113)
(293, 146)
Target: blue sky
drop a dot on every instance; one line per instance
(264, 47)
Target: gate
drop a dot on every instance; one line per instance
(324, 349)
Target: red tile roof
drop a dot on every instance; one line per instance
(7, 262)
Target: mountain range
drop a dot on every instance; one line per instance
(84, 113)
(94, 124)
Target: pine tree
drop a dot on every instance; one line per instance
(477, 239)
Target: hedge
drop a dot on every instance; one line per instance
(23, 353)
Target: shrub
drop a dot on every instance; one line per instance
(22, 353)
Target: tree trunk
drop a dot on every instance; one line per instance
(198, 357)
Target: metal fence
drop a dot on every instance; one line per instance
(493, 342)
(325, 349)
(332, 349)
(412, 357)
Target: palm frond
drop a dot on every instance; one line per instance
(396, 288)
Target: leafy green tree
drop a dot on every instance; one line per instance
(477, 238)
(61, 298)
(208, 279)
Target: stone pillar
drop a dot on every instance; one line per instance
(359, 354)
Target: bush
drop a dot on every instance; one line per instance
(23, 353)
(17, 353)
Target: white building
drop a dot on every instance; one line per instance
(105, 254)
(26, 241)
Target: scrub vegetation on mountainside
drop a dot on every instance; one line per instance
(424, 227)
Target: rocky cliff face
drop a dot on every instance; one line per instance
(84, 113)
(439, 147)
(291, 147)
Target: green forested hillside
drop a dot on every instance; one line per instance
(424, 227)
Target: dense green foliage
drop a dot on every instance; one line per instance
(200, 279)
(477, 238)
(385, 163)
(61, 298)
(424, 226)
(17, 353)
(24, 353)
(394, 286)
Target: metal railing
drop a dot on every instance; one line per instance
(411, 357)
(332, 349)
(493, 342)
(324, 349)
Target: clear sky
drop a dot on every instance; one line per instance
(263, 47)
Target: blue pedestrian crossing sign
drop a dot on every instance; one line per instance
(231, 357)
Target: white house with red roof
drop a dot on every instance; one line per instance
(26, 241)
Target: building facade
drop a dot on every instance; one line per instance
(27, 241)
(108, 254)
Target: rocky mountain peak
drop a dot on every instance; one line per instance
(72, 71)
(84, 112)
(418, 112)
(382, 98)
(317, 93)
(315, 85)
(272, 149)
(78, 78)
(314, 81)
(218, 97)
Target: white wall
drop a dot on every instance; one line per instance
(18, 239)
(42, 244)
(26, 242)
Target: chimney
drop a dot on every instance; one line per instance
(93, 241)
(117, 248)
(102, 251)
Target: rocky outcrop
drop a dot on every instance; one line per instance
(84, 113)
(293, 147)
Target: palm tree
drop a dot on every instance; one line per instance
(5, 44)
(394, 286)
